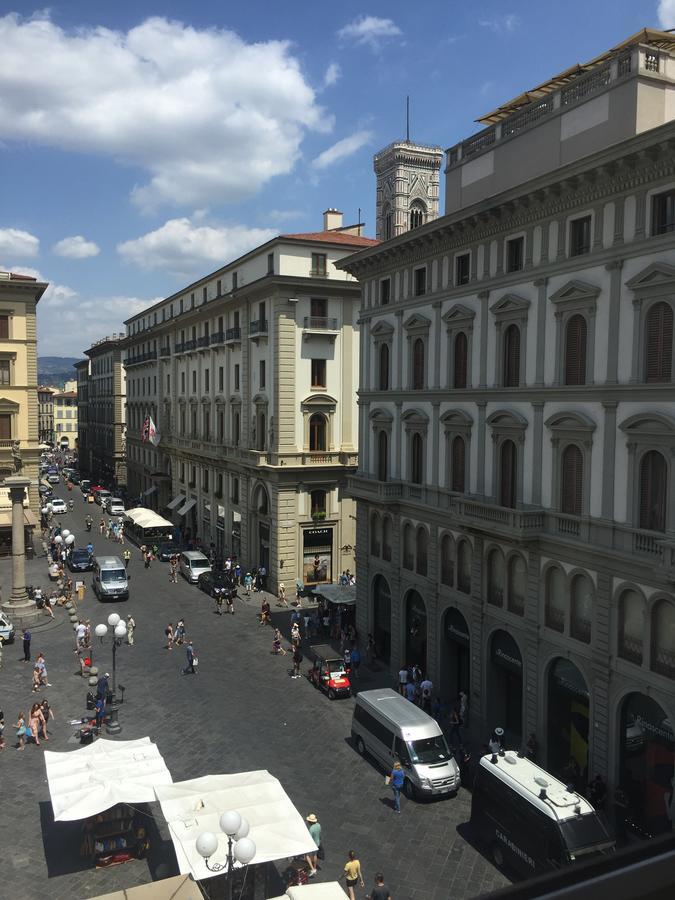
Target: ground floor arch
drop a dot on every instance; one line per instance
(416, 629)
(505, 687)
(567, 723)
(455, 656)
(382, 618)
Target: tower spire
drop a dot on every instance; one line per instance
(407, 119)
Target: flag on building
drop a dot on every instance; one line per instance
(149, 431)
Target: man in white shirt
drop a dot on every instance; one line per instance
(81, 633)
(427, 688)
(402, 680)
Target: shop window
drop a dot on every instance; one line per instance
(317, 433)
(580, 236)
(418, 373)
(581, 608)
(572, 480)
(318, 504)
(495, 579)
(417, 458)
(508, 474)
(422, 550)
(461, 357)
(575, 350)
(387, 538)
(408, 547)
(464, 556)
(384, 367)
(458, 464)
(517, 587)
(447, 560)
(382, 455)
(663, 638)
(375, 534)
(653, 486)
(631, 626)
(663, 213)
(511, 374)
(555, 600)
(659, 343)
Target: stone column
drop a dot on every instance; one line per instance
(20, 609)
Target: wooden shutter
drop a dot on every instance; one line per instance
(659, 343)
(4, 327)
(508, 473)
(512, 356)
(458, 463)
(575, 350)
(5, 427)
(461, 361)
(653, 483)
(572, 476)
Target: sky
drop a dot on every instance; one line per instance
(143, 145)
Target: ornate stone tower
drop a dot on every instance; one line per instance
(407, 187)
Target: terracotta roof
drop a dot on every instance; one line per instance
(14, 277)
(333, 237)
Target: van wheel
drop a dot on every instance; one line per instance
(360, 747)
(498, 856)
(331, 694)
(409, 789)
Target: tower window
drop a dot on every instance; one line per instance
(417, 216)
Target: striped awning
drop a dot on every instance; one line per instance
(177, 500)
(186, 507)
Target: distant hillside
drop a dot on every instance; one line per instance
(56, 370)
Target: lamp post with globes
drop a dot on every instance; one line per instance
(119, 632)
(240, 848)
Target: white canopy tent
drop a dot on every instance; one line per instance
(193, 807)
(90, 780)
(146, 518)
(327, 890)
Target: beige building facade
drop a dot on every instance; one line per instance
(46, 413)
(250, 377)
(515, 490)
(102, 430)
(65, 416)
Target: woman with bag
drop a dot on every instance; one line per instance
(21, 732)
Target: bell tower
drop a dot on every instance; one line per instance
(408, 177)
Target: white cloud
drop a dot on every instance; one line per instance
(369, 30)
(183, 247)
(14, 242)
(339, 151)
(500, 24)
(666, 13)
(76, 247)
(208, 116)
(332, 75)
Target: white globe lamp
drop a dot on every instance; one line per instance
(230, 823)
(113, 619)
(244, 851)
(101, 630)
(206, 844)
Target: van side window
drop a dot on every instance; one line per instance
(401, 750)
(379, 731)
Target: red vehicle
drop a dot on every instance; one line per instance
(329, 672)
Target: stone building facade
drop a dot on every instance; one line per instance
(102, 429)
(407, 187)
(46, 413)
(516, 490)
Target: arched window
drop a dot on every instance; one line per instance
(495, 578)
(317, 432)
(663, 638)
(554, 614)
(382, 455)
(653, 486)
(418, 365)
(575, 350)
(388, 222)
(387, 531)
(659, 343)
(581, 608)
(384, 367)
(416, 215)
(318, 502)
(508, 474)
(422, 547)
(417, 459)
(458, 464)
(572, 480)
(262, 503)
(631, 626)
(464, 555)
(447, 560)
(517, 585)
(512, 356)
(375, 534)
(461, 360)
(408, 547)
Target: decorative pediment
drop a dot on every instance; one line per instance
(382, 330)
(417, 322)
(322, 400)
(653, 279)
(459, 314)
(236, 399)
(570, 421)
(456, 418)
(506, 418)
(575, 291)
(415, 417)
(381, 416)
(649, 423)
(260, 400)
(510, 304)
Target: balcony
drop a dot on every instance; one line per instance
(257, 329)
(322, 325)
(179, 348)
(233, 335)
(203, 342)
(218, 337)
(165, 351)
(140, 358)
(189, 346)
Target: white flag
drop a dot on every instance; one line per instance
(153, 434)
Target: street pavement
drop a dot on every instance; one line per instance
(241, 712)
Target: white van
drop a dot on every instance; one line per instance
(193, 564)
(390, 728)
(110, 580)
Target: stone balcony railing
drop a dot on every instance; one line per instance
(219, 451)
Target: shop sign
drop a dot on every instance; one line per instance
(456, 628)
(505, 652)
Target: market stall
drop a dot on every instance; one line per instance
(180, 887)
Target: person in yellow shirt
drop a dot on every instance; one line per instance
(352, 874)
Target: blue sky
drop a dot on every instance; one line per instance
(143, 145)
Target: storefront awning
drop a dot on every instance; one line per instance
(344, 594)
(186, 507)
(177, 500)
(150, 490)
(180, 887)
(328, 890)
(29, 518)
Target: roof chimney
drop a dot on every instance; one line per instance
(332, 219)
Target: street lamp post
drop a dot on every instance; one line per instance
(119, 633)
(240, 848)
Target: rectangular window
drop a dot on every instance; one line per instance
(235, 281)
(221, 375)
(182, 382)
(663, 213)
(270, 263)
(236, 428)
(420, 282)
(221, 426)
(205, 480)
(205, 294)
(462, 268)
(194, 382)
(515, 254)
(261, 313)
(182, 472)
(219, 288)
(318, 373)
(385, 291)
(580, 236)
(235, 319)
(262, 373)
(4, 371)
(235, 490)
(168, 384)
(4, 327)
(219, 484)
(236, 376)
(318, 307)
(318, 264)
(154, 384)
(207, 381)
(193, 476)
(220, 324)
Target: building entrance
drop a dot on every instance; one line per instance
(505, 688)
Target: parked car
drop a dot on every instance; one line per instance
(114, 506)
(211, 581)
(85, 484)
(328, 672)
(80, 561)
(167, 549)
(101, 495)
(75, 477)
(192, 564)
(58, 505)
(53, 478)
(6, 629)
(45, 491)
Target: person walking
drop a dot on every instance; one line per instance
(35, 722)
(47, 714)
(191, 660)
(455, 725)
(427, 688)
(179, 633)
(102, 687)
(21, 731)
(403, 680)
(131, 627)
(276, 644)
(315, 832)
(126, 556)
(397, 780)
(352, 874)
(168, 632)
(297, 659)
(248, 583)
(380, 891)
(265, 612)
(282, 595)
(26, 645)
(356, 661)
(148, 558)
(173, 570)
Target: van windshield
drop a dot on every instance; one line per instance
(429, 750)
(583, 833)
(110, 576)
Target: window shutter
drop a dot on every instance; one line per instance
(508, 473)
(383, 456)
(653, 485)
(458, 463)
(571, 493)
(659, 343)
(461, 360)
(5, 427)
(512, 356)
(384, 367)
(418, 365)
(575, 350)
